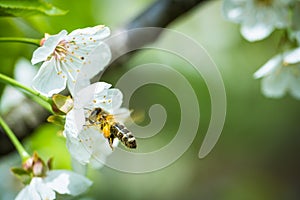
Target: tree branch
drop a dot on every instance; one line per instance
(160, 14)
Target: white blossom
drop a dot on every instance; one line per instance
(281, 74)
(60, 181)
(65, 56)
(258, 18)
(87, 144)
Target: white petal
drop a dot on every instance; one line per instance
(77, 150)
(272, 65)
(67, 182)
(43, 52)
(80, 84)
(100, 86)
(83, 41)
(71, 68)
(101, 152)
(75, 120)
(36, 190)
(276, 84)
(72, 83)
(28, 193)
(85, 97)
(96, 61)
(282, 18)
(293, 56)
(92, 138)
(97, 145)
(110, 100)
(48, 81)
(99, 31)
(234, 10)
(79, 168)
(97, 162)
(100, 155)
(42, 189)
(254, 31)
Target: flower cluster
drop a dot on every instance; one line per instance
(70, 61)
(258, 19)
(44, 182)
(281, 74)
(85, 144)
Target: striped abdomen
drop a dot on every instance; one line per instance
(123, 134)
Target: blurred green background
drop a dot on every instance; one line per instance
(257, 155)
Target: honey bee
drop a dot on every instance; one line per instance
(110, 128)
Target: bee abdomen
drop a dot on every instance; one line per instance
(124, 135)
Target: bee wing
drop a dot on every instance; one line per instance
(121, 115)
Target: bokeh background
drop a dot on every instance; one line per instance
(257, 155)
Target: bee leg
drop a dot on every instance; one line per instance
(86, 126)
(111, 141)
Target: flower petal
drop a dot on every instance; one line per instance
(42, 53)
(98, 32)
(48, 81)
(85, 97)
(67, 182)
(281, 15)
(75, 120)
(234, 10)
(83, 41)
(28, 193)
(272, 65)
(109, 100)
(96, 144)
(42, 189)
(77, 150)
(275, 85)
(79, 168)
(254, 30)
(96, 61)
(292, 56)
(36, 190)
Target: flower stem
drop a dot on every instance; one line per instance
(42, 100)
(21, 40)
(23, 153)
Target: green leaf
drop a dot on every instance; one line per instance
(23, 175)
(25, 8)
(19, 171)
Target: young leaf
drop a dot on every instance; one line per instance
(25, 8)
(23, 175)
(57, 120)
